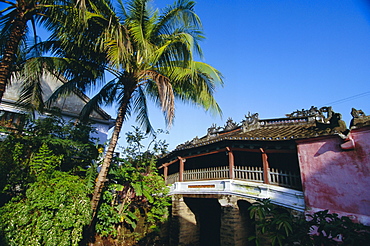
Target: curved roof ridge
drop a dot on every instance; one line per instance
(300, 124)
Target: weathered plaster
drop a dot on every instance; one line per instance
(337, 179)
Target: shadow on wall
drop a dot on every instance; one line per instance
(326, 147)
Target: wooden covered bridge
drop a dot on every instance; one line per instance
(215, 178)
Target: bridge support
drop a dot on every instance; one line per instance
(214, 220)
(183, 229)
(235, 223)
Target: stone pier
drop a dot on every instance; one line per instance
(214, 220)
(184, 229)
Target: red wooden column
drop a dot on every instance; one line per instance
(165, 173)
(231, 163)
(266, 167)
(181, 170)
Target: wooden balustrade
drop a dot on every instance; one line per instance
(254, 174)
(171, 179)
(285, 178)
(249, 173)
(207, 173)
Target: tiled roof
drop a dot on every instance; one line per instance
(298, 125)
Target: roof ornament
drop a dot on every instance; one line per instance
(359, 118)
(322, 115)
(304, 113)
(230, 125)
(188, 143)
(251, 121)
(357, 113)
(325, 114)
(213, 131)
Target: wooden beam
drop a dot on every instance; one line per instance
(266, 151)
(208, 153)
(167, 164)
(266, 167)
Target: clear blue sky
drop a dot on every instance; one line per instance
(278, 56)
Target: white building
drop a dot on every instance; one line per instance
(70, 107)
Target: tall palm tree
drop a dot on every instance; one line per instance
(157, 61)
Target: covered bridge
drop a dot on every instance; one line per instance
(306, 162)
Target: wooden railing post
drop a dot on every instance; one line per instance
(181, 171)
(266, 167)
(231, 163)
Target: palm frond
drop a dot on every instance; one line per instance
(141, 109)
(196, 86)
(106, 96)
(181, 14)
(165, 94)
(31, 93)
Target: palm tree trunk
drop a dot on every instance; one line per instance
(11, 48)
(102, 177)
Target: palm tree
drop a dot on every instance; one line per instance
(14, 21)
(157, 61)
(72, 54)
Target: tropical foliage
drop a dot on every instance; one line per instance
(276, 226)
(43, 183)
(150, 54)
(69, 140)
(55, 208)
(134, 201)
(48, 172)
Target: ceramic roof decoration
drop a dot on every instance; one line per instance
(300, 124)
(359, 119)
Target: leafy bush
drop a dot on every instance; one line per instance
(55, 208)
(135, 193)
(322, 228)
(271, 223)
(70, 141)
(43, 185)
(330, 229)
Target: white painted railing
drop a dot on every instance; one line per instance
(254, 174)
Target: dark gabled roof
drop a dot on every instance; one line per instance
(297, 125)
(70, 106)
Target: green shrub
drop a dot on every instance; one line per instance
(321, 228)
(135, 195)
(54, 210)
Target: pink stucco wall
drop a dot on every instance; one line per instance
(337, 179)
